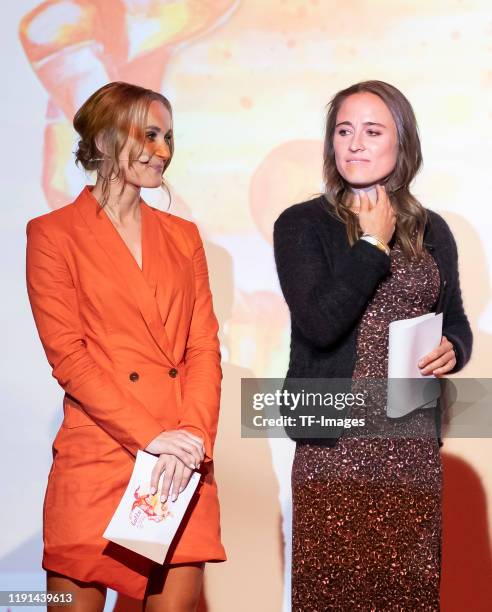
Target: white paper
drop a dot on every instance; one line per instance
(141, 523)
(409, 341)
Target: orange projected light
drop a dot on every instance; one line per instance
(76, 46)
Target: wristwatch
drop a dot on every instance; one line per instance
(374, 240)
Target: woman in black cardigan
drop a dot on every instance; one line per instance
(367, 510)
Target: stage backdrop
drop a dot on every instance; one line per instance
(249, 81)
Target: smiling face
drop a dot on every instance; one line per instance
(365, 140)
(147, 170)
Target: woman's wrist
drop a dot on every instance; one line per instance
(376, 241)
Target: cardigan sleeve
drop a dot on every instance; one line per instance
(324, 303)
(55, 308)
(456, 326)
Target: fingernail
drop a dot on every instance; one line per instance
(175, 497)
(152, 490)
(181, 489)
(192, 466)
(420, 364)
(163, 498)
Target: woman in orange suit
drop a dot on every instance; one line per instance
(120, 296)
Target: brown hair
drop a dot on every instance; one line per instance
(115, 111)
(410, 214)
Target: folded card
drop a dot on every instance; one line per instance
(409, 341)
(142, 522)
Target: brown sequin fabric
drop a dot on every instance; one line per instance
(367, 512)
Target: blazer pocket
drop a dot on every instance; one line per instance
(74, 415)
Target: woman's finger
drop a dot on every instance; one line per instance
(159, 467)
(445, 342)
(447, 367)
(168, 477)
(431, 357)
(178, 475)
(356, 204)
(441, 371)
(364, 202)
(187, 458)
(381, 196)
(192, 451)
(384, 199)
(444, 346)
(185, 479)
(438, 363)
(173, 443)
(189, 443)
(174, 448)
(194, 446)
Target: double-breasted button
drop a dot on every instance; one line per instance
(173, 372)
(134, 376)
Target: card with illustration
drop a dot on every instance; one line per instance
(142, 522)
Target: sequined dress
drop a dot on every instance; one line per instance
(367, 512)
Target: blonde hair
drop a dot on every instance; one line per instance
(116, 111)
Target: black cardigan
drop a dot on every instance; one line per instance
(327, 285)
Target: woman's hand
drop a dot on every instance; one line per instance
(180, 443)
(440, 360)
(376, 219)
(175, 471)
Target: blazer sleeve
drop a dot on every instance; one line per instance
(324, 303)
(456, 326)
(55, 308)
(203, 374)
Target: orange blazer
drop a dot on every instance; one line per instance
(136, 352)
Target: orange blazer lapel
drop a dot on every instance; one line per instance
(141, 284)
